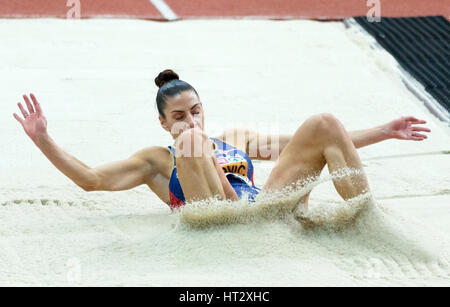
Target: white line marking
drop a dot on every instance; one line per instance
(441, 152)
(164, 9)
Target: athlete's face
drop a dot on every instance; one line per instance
(183, 111)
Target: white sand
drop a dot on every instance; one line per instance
(94, 79)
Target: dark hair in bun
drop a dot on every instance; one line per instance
(169, 85)
(166, 76)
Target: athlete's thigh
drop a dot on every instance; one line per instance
(201, 176)
(302, 157)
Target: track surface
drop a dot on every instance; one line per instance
(181, 9)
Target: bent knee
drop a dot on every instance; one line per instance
(318, 128)
(326, 124)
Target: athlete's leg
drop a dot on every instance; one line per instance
(320, 140)
(198, 171)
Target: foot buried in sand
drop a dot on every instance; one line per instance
(335, 218)
(277, 205)
(338, 217)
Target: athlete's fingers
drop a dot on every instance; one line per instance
(419, 135)
(29, 106)
(415, 120)
(415, 128)
(416, 138)
(20, 120)
(24, 113)
(37, 106)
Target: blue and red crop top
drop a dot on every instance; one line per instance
(236, 164)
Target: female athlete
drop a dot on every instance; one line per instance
(198, 167)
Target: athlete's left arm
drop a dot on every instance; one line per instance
(401, 128)
(267, 147)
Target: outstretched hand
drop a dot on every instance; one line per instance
(33, 122)
(403, 129)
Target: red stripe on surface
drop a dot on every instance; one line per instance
(89, 8)
(277, 9)
(314, 9)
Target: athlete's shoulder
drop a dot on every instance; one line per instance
(155, 155)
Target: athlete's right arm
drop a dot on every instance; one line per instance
(121, 175)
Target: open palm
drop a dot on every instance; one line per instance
(33, 122)
(403, 129)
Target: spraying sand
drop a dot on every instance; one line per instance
(94, 79)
